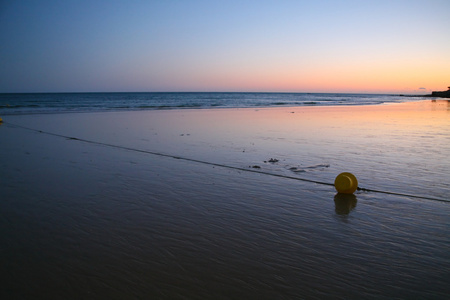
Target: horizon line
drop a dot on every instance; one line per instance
(221, 92)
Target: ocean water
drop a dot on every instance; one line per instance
(83, 102)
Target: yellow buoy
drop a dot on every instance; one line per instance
(1, 121)
(346, 183)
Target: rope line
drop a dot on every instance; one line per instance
(217, 164)
(402, 194)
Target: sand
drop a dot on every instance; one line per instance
(90, 220)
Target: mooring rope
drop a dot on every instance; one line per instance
(217, 164)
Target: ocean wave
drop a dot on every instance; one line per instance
(86, 102)
(7, 106)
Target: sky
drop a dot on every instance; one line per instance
(225, 46)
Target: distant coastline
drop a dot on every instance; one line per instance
(439, 94)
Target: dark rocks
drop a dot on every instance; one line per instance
(444, 94)
(441, 94)
(272, 160)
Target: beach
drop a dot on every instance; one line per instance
(168, 204)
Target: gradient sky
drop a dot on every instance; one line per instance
(275, 46)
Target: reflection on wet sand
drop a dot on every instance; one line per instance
(82, 220)
(344, 203)
(440, 103)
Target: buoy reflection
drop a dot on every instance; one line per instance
(344, 203)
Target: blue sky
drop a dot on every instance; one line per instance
(292, 46)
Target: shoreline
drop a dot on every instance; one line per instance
(136, 102)
(225, 108)
(291, 126)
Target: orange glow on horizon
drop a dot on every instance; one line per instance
(337, 77)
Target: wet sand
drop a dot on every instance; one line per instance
(87, 220)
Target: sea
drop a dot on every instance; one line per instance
(38, 103)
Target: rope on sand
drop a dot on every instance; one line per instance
(217, 164)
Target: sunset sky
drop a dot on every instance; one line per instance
(268, 46)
